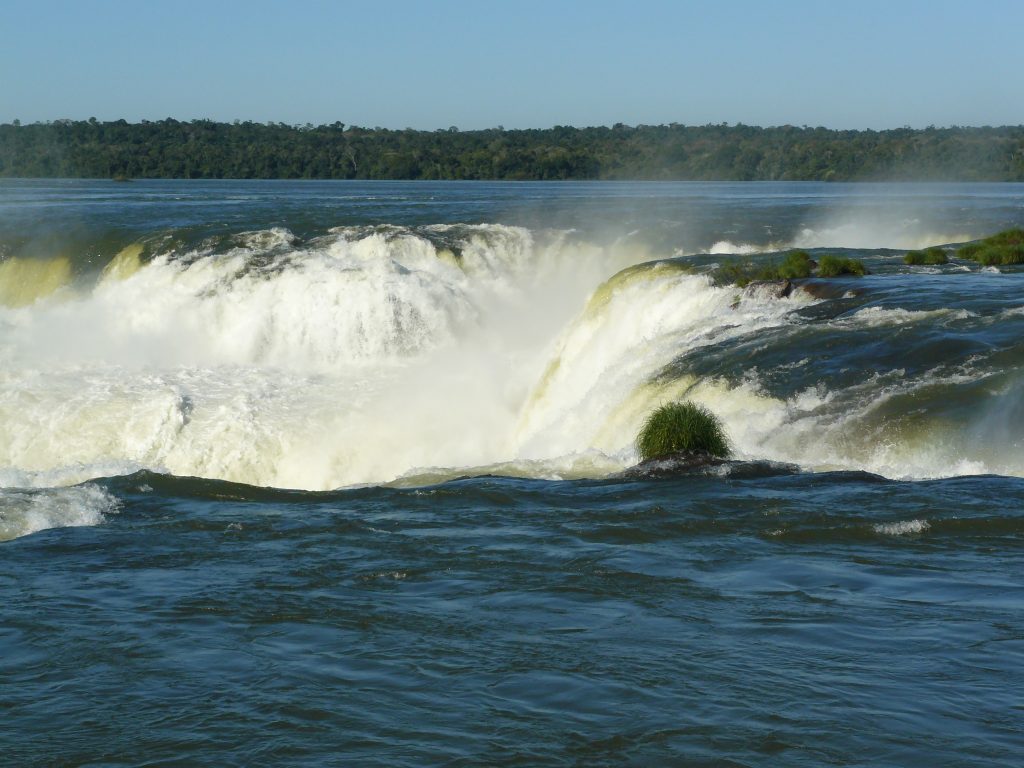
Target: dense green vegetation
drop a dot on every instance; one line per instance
(1003, 248)
(795, 265)
(836, 266)
(933, 255)
(681, 427)
(206, 149)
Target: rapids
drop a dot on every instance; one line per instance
(373, 354)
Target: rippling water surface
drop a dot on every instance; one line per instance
(451, 375)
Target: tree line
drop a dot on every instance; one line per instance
(204, 149)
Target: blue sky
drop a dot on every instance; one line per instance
(433, 64)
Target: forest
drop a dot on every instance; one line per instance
(204, 149)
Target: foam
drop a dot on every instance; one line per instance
(727, 247)
(377, 353)
(597, 386)
(126, 263)
(352, 358)
(902, 528)
(878, 317)
(23, 512)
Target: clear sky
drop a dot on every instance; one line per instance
(522, 64)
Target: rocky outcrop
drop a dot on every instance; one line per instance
(702, 463)
(768, 289)
(823, 289)
(684, 462)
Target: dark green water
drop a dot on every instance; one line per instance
(477, 590)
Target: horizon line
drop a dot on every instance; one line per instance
(16, 122)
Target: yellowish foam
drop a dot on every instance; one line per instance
(638, 272)
(628, 415)
(24, 281)
(448, 257)
(127, 262)
(595, 305)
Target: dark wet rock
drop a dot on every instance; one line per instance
(823, 289)
(685, 462)
(751, 469)
(768, 289)
(703, 463)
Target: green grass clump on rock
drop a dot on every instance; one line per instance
(1000, 255)
(796, 265)
(681, 427)
(834, 266)
(735, 272)
(1006, 247)
(933, 255)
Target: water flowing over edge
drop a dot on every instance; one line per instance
(413, 355)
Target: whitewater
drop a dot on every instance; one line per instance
(382, 353)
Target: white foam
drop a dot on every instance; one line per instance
(23, 512)
(596, 390)
(724, 247)
(851, 430)
(353, 358)
(902, 528)
(877, 317)
(369, 354)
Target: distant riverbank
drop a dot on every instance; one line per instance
(206, 149)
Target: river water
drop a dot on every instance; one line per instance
(324, 473)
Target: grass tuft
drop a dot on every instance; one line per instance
(834, 266)
(933, 255)
(682, 427)
(1005, 247)
(795, 265)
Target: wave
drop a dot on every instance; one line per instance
(817, 514)
(27, 511)
(876, 316)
